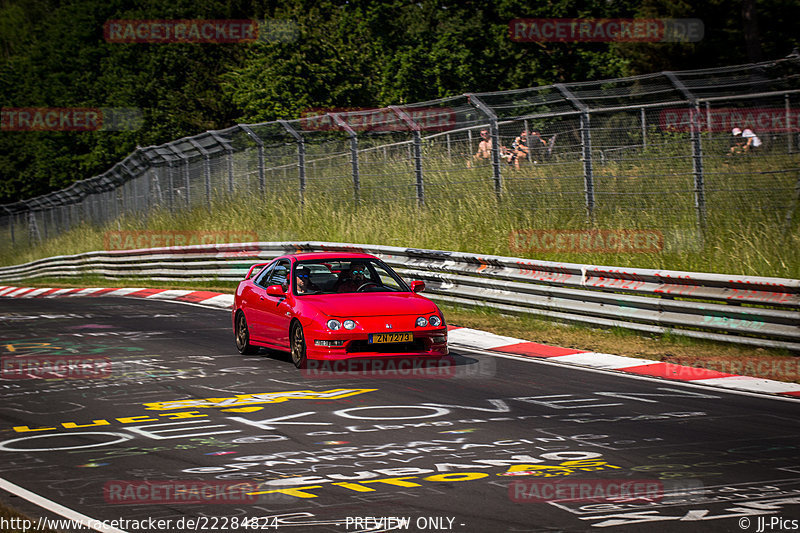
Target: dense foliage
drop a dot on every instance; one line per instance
(348, 53)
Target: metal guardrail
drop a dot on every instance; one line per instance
(749, 310)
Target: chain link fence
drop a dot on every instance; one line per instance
(653, 151)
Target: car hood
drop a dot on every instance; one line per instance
(370, 304)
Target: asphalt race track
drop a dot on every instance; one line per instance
(156, 417)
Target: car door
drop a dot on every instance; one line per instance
(277, 313)
(253, 303)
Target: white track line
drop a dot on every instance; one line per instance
(58, 509)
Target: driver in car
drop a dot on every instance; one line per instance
(303, 283)
(352, 279)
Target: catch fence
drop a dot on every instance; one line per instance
(651, 151)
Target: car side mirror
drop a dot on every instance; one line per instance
(417, 286)
(275, 290)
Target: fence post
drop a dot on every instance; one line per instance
(697, 150)
(130, 180)
(301, 159)
(697, 169)
(262, 182)
(588, 169)
(586, 148)
(206, 169)
(788, 118)
(353, 154)
(10, 223)
(494, 133)
(644, 128)
(185, 160)
(531, 162)
(225, 143)
(171, 183)
(790, 213)
(33, 227)
(417, 145)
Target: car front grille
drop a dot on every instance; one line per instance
(394, 347)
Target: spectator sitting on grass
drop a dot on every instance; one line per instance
(744, 141)
(520, 149)
(484, 148)
(752, 141)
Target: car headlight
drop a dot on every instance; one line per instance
(422, 322)
(349, 324)
(334, 325)
(435, 321)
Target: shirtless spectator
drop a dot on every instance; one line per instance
(484, 149)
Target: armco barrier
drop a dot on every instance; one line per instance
(750, 310)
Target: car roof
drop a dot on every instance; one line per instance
(321, 256)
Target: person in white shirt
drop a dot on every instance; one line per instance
(752, 140)
(744, 140)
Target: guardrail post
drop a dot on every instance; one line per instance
(494, 134)
(262, 182)
(301, 159)
(417, 145)
(353, 153)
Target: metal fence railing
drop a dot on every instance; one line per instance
(747, 310)
(651, 151)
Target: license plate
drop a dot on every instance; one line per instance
(383, 338)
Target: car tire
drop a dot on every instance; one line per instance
(298, 341)
(242, 336)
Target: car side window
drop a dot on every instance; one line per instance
(280, 275)
(261, 279)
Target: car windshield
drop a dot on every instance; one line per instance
(334, 276)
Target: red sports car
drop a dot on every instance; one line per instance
(335, 306)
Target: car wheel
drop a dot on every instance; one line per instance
(298, 346)
(242, 335)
